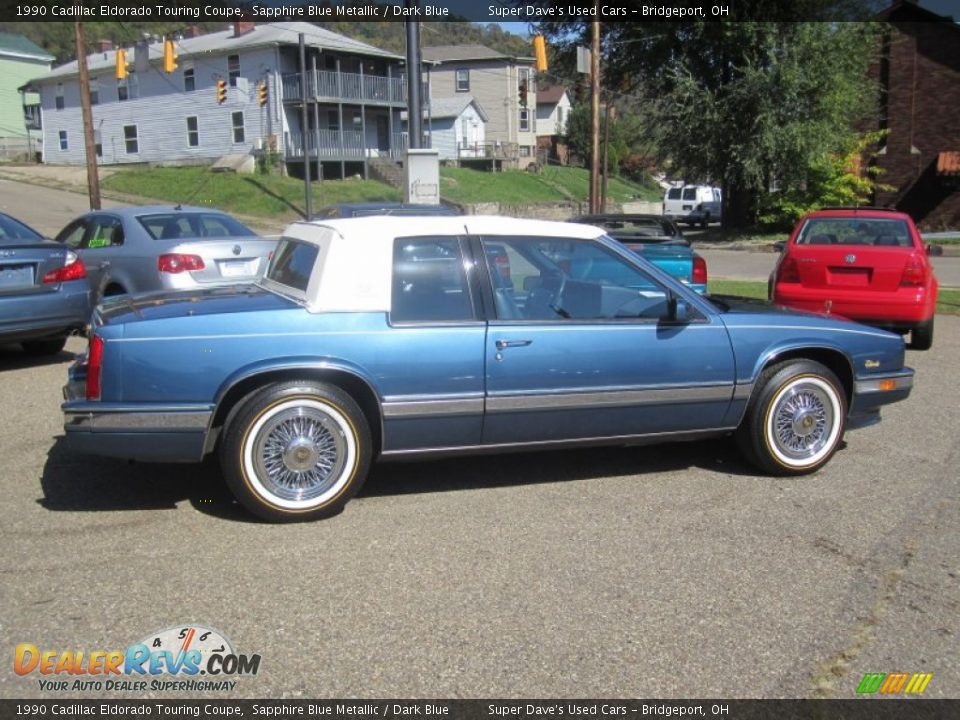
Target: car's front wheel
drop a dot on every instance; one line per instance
(795, 420)
(296, 451)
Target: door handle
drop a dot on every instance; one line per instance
(502, 344)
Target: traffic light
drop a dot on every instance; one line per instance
(221, 91)
(523, 93)
(540, 52)
(121, 64)
(169, 57)
(262, 93)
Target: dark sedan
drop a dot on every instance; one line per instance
(44, 292)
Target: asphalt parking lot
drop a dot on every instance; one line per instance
(668, 571)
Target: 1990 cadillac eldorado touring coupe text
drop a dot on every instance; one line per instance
(390, 337)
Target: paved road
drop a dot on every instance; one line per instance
(664, 571)
(44, 209)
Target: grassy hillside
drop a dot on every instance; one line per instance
(268, 196)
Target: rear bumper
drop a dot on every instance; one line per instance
(901, 309)
(48, 314)
(166, 433)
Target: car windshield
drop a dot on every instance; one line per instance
(193, 226)
(879, 232)
(13, 232)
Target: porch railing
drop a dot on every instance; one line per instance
(331, 85)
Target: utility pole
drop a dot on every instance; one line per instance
(595, 115)
(414, 106)
(608, 118)
(90, 147)
(304, 130)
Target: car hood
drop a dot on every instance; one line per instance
(182, 303)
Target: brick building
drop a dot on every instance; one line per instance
(919, 73)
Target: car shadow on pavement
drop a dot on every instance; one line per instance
(527, 468)
(84, 483)
(13, 358)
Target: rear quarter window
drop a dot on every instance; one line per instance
(292, 264)
(673, 194)
(429, 281)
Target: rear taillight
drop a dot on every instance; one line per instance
(789, 271)
(94, 366)
(178, 262)
(73, 269)
(699, 276)
(915, 272)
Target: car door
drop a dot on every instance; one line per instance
(582, 347)
(431, 362)
(100, 242)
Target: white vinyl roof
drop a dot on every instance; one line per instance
(355, 264)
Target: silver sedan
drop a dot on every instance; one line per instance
(162, 247)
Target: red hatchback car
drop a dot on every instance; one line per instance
(864, 264)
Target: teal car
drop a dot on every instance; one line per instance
(659, 240)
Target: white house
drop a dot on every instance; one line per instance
(354, 96)
(456, 127)
(553, 112)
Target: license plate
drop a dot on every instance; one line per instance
(235, 268)
(14, 276)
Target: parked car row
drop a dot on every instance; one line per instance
(382, 338)
(392, 334)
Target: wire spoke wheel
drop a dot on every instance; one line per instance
(802, 419)
(299, 453)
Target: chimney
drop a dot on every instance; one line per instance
(242, 27)
(192, 31)
(104, 45)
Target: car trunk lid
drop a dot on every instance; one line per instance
(851, 267)
(226, 260)
(23, 267)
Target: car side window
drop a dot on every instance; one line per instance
(569, 279)
(72, 234)
(105, 231)
(429, 281)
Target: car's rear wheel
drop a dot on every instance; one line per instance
(796, 419)
(44, 347)
(296, 451)
(921, 337)
(705, 221)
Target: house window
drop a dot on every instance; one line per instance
(233, 69)
(189, 77)
(97, 143)
(238, 135)
(193, 132)
(94, 91)
(524, 151)
(463, 80)
(130, 139)
(64, 145)
(523, 76)
(128, 88)
(59, 98)
(559, 119)
(333, 120)
(524, 120)
(357, 121)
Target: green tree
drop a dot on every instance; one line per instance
(744, 104)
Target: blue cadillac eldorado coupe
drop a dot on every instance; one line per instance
(392, 337)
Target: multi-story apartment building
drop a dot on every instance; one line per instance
(354, 95)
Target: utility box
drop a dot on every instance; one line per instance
(423, 177)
